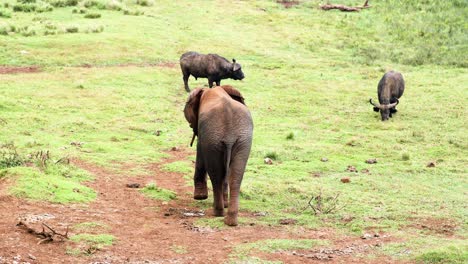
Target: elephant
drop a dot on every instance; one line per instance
(224, 127)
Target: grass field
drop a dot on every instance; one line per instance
(110, 91)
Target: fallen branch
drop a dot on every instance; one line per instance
(45, 236)
(345, 8)
(323, 205)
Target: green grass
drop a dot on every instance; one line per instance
(309, 76)
(151, 190)
(179, 166)
(101, 239)
(57, 184)
(428, 249)
(88, 244)
(89, 227)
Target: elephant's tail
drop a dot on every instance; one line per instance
(227, 159)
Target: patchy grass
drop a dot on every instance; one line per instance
(444, 255)
(57, 184)
(309, 76)
(155, 192)
(179, 249)
(179, 166)
(90, 227)
(88, 244)
(245, 252)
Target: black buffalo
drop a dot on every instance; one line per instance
(390, 89)
(211, 66)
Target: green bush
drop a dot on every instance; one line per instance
(92, 15)
(62, 3)
(24, 8)
(5, 13)
(72, 29)
(9, 156)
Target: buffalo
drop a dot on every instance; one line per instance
(211, 66)
(390, 89)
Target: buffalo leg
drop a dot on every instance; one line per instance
(210, 83)
(185, 78)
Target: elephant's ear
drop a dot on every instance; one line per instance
(234, 93)
(191, 109)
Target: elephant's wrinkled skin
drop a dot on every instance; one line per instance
(224, 128)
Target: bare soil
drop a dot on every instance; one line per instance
(12, 69)
(166, 64)
(152, 231)
(288, 3)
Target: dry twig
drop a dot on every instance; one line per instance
(323, 205)
(45, 236)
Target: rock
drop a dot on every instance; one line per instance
(260, 214)
(351, 169)
(268, 161)
(316, 174)
(366, 171)
(345, 180)
(323, 159)
(431, 164)
(133, 185)
(175, 149)
(158, 133)
(288, 221)
(371, 161)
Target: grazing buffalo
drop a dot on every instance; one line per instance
(390, 89)
(211, 66)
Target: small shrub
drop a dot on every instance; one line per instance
(290, 136)
(9, 157)
(3, 30)
(26, 1)
(44, 7)
(272, 155)
(405, 156)
(97, 29)
(24, 8)
(28, 32)
(62, 3)
(92, 15)
(133, 12)
(144, 2)
(72, 29)
(5, 13)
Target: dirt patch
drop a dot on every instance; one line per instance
(152, 231)
(13, 70)
(441, 226)
(166, 64)
(288, 3)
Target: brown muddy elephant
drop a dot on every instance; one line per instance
(224, 128)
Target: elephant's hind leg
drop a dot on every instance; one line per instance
(235, 179)
(199, 179)
(201, 190)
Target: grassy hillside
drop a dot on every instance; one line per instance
(110, 91)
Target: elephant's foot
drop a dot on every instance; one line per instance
(200, 193)
(218, 212)
(231, 219)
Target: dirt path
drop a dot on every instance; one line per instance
(152, 231)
